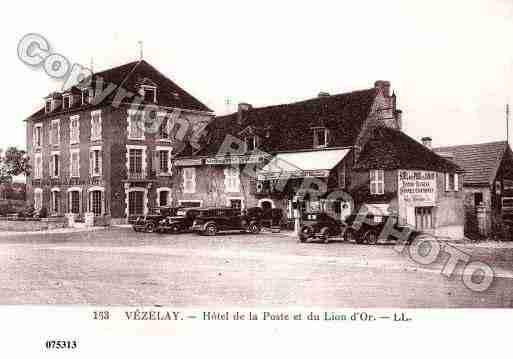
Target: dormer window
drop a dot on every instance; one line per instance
(320, 137)
(87, 96)
(149, 93)
(48, 105)
(251, 143)
(67, 101)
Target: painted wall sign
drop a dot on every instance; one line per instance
(68, 182)
(186, 162)
(233, 160)
(293, 174)
(417, 188)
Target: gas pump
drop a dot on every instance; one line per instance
(298, 206)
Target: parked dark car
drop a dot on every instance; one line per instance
(181, 222)
(269, 218)
(367, 230)
(149, 222)
(210, 221)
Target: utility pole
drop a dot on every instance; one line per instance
(507, 123)
(91, 65)
(140, 50)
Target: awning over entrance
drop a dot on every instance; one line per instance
(302, 164)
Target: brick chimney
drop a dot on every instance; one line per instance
(427, 141)
(384, 85)
(242, 108)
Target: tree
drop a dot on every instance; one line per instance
(14, 162)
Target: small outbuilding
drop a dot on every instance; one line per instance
(488, 185)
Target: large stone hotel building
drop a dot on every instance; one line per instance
(90, 153)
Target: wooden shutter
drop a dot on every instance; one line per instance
(456, 180)
(100, 162)
(155, 161)
(446, 182)
(91, 162)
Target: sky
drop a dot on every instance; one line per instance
(449, 62)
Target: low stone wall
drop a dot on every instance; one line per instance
(31, 225)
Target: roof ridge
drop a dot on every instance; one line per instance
(504, 142)
(117, 67)
(305, 101)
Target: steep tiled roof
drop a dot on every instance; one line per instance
(288, 127)
(480, 161)
(389, 149)
(128, 76)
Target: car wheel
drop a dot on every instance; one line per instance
(305, 234)
(254, 228)
(210, 230)
(348, 235)
(175, 229)
(371, 237)
(150, 227)
(325, 234)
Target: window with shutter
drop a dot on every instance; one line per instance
(55, 165)
(54, 132)
(56, 198)
(75, 163)
(189, 180)
(36, 139)
(135, 160)
(74, 129)
(377, 182)
(135, 126)
(164, 158)
(38, 166)
(96, 125)
(451, 181)
(163, 129)
(231, 179)
(95, 158)
(38, 198)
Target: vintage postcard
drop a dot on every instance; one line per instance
(254, 170)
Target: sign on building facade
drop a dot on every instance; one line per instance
(417, 188)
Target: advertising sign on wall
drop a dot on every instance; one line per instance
(417, 188)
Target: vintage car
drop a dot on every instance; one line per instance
(181, 222)
(368, 229)
(210, 221)
(149, 222)
(269, 218)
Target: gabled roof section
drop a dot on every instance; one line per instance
(390, 149)
(480, 161)
(129, 77)
(288, 127)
